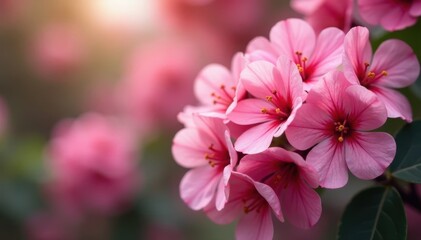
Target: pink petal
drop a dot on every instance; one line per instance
(364, 110)
(210, 80)
(327, 54)
(189, 147)
(255, 225)
(397, 18)
(357, 52)
(396, 104)
(292, 35)
(306, 6)
(329, 161)
(257, 138)
(369, 154)
(302, 205)
(220, 196)
(248, 111)
(397, 58)
(261, 78)
(372, 11)
(198, 186)
(271, 198)
(304, 132)
(415, 9)
(284, 125)
(233, 154)
(260, 48)
(290, 82)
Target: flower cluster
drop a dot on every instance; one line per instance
(295, 112)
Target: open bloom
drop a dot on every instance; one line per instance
(276, 95)
(253, 203)
(394, 65)
(321, 14)
(336, 118)
(291, 178)
(313, 55)
(392, 15)
(217, 87)
(205, 146)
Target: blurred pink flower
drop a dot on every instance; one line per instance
(205, 146)
(252, 202)
(276, 96)
(291, 178)
(4, 117)
(341, 114)
(314, 55)
(56, 51)
(321, 14)
(394, 65)
(392, 15)
(158, 83)
(91, 160)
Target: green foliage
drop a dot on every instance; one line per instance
(407, 163)
(374, 214)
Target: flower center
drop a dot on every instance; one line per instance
(223, 96)
(280, 109)
(254, 203)
(217, 158)
(368, 77)
(301, 61)
(341, 130)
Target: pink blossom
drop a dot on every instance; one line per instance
(394, 65)
(296, 39)
(276, 96)
(57, 50)
(91, 160)
(291, 178)
(392, 15)
(218, 87)
(321, 14)
(205, 146)
(252, 202)
(336, 118)
(157, 83)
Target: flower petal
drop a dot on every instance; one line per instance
(399, 61)
(261, 78)
(255, 225)
(292, 35)
(257, 138)
(189, 148)
(198, 186)
(329, 161)
(249, 111)
(301, 204)
(396, 104)
(368, 154)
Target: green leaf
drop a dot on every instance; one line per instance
(374, 214)
(407, 162)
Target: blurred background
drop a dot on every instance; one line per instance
(89, 93)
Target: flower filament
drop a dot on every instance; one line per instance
(224, 96)
(215, 157)
(341, 129)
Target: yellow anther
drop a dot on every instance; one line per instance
(269, 98)
(371, 74)
(341, 128)
(264, 110)
(278, 111)
(304, 59)
(340, 139)
(384, 73)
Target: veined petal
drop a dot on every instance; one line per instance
(310, 126)
(255, 225)
(399, 61)
(290, 82)
(328, 158)
(220, 196)
(257, 138)
(292, 35)
(396, 104)
(368, 154)
(301, 204)
(284, 125)
(372, 11)
(358, 53)
(397, 18)
(327, 55)
(261, 78)
(260, 48)
(198, 186)
(365, 111)
(249, 111)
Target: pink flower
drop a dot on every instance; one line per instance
(216, 86)
(394, 65)
(253, 203)
(158, 83)
(296, 39)
(57, 50)
(392, 15)
(336, 118)
(91, 160)
(291, 178)
(276, 96)
(205, 146)
(321, 14)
